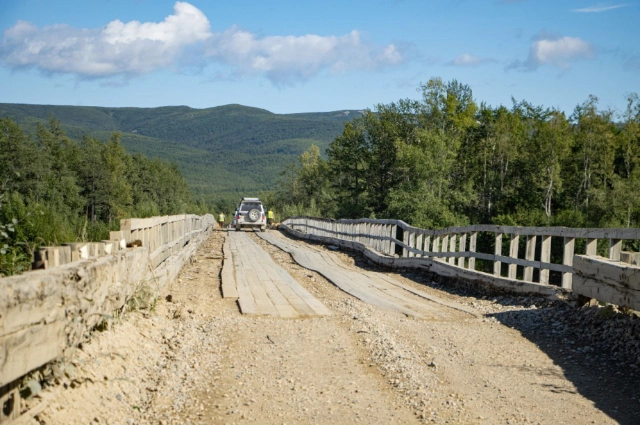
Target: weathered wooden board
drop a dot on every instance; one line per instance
(606, 280)
(264, 288)
(227, 275)
(371, 287)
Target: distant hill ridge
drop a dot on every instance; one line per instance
(223, 151)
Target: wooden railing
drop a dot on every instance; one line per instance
(458, 246)
(163, 236)
(46, 313)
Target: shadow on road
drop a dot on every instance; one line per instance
(597, 353)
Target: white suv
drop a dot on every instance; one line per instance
(250, 213)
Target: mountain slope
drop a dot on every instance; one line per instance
(224, 152)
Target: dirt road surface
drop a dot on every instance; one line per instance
(195, 359)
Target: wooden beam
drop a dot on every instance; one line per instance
(530, 253)
(412, 243)
(567, 260)
(615, 246)
(472, 248)
(498, 252)
(513, 253)
(592, 247)
(452, 248)
(462, 248)
(545, 257)
(445, 245)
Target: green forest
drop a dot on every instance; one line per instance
(54, 190)
(224, 152)
(445, 160)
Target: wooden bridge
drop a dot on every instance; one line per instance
(45, 314)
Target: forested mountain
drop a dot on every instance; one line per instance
(224, 152)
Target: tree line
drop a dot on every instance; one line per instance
(54, 190)
(445, 160)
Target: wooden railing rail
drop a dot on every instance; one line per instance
(458, 245)
(164, 236)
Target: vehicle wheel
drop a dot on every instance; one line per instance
(262, 229)
(237, 228)
(253, 215)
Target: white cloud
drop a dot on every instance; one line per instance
(558, 52)
(598, 8)
(118, 48)
(290, 58)
(466, 59)
(182, 38)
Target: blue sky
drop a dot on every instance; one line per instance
(311, 56)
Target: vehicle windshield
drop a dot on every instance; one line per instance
(248, 206)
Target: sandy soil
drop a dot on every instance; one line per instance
(196, 360)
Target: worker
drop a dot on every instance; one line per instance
(269, 217)
(221, 220)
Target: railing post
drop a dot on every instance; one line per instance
(513, 253)
(370, 233)
(436, 245)
(385, 243)
(125, 228)
(445, 246)
(545, 257)
(472, 248)
(615, 246)
(462, 248)
(419, 244)
(394, 233)
(412, 243)
(497, 251)
(405, 240)
(567, 260)
(529, 255)
(427, 244)
(452, 248)
(592, 247)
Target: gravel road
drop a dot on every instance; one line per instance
(194, 359)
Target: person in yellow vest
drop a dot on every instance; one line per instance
(269, 217)
(221, 219)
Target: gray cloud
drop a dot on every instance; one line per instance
(184, 39)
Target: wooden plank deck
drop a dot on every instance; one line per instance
(373, 288)
(229, 287)
(263, 287)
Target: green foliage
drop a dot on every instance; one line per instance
(224, 152)
(53, 190)
(445, 160)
